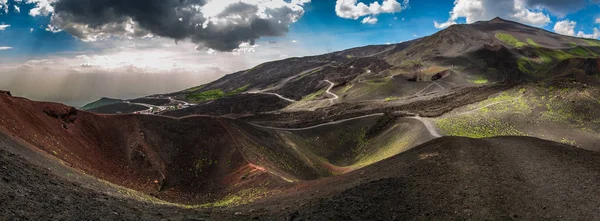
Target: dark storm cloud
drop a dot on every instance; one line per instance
(177, 19)
(560, 7)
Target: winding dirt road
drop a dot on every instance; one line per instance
(274, 94)
(335, 97)
(430, 126)
(319, 125)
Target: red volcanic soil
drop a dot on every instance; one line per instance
(192, 160)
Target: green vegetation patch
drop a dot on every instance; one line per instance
(556, 54)
(391, 98)
(238, 90)
(532, 112)
(481, 128)
(487, 118)
(240, 198)
(511, 40)
(206, 95)
(214, 94)
(479, 79)
(313, 96)
(592, 42)
(532, 43)
(525, 65)
(579, 51)
(545, 57)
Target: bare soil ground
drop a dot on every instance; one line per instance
(455, 178)
(426, 106)
(48, 190)
(448, 178)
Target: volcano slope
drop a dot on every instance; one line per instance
(333, 135)
(201, 159)
(447, 178)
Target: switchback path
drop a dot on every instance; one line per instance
(335, 97)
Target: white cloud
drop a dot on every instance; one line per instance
(53, 29)
(443, 25)
(597, 21)
(595, 35)
(4, 27)
(4, 6)
(352, 9)
(565, 27)
(211, 51)
(369, 20)
(42, 7)
(31, 30)
(245, 48)
(4, 48)
(480, 10)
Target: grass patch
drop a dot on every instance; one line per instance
(534, 112)
(556, 54)
(482, 128)
(214, 94)
(488, 119)
(238, 90)
(391, 98)
(206, 95)
(313, 96)
(511, 40)
(240, 198)
(592, 42)
(525, 65)
(546, 56)
(532, 43)
(479, 79)
(579, 51)
(568, 142)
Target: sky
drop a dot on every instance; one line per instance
(76, 51)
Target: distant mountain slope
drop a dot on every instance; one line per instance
(466, 55)
(102, 102)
